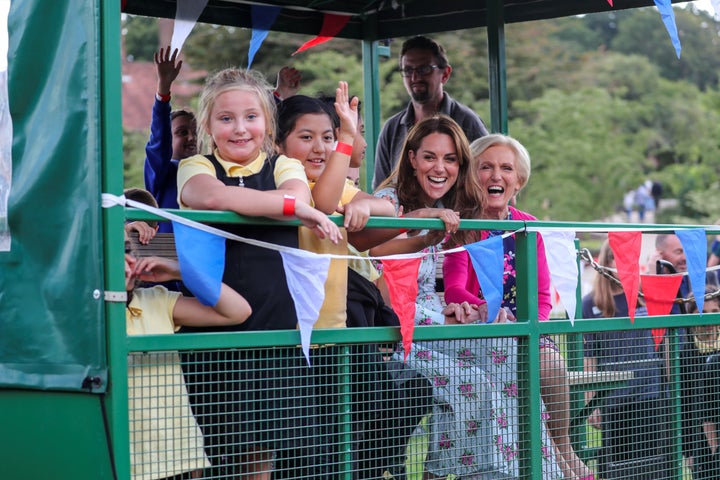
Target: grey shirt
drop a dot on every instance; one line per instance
(395, 130)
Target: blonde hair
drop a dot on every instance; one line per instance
(471, 199)
(236, 79)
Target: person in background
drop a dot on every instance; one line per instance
(156, 389)
(307, 132)
(633, 419)
(669, 257)
(700, 394)
(145, 230)
(173, 136)
(714, 257)
(425, 69)
(270, 408)
(499, 169)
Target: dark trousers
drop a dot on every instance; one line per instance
(636, 441)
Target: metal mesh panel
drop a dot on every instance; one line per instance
(452, 409)
(623, 416)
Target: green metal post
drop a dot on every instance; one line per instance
(113, 245)
(371, 50)
(345, 416)
(496, 66)
(528, 348)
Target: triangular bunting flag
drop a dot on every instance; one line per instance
(488, 259)
(659, 292)
(694, 242)
(332, 25)
(626, 249)
(201, 256)
(401, 277)
(306, 274)
(186, 16)
(668, 18)
(610, 2)
(562, 263)
(263, 17)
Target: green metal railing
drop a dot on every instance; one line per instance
(527, 331)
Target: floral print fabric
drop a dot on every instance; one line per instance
(473, 429)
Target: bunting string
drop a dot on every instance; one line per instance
(608, 272)
(110, 200)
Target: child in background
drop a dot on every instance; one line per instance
(146, 230)
(306, 131)
(164, 437)
(700, 387)
(172, 136)
(270, 408)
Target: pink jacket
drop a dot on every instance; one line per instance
(461, 281)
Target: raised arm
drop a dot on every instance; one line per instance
(329, 186)
(159, 148)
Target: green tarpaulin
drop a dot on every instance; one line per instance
(52, 333)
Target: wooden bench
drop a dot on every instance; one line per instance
(163, 245)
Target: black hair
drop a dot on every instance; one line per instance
(292, 108)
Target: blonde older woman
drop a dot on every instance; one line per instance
(499, 169)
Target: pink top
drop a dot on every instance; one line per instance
(461, 283)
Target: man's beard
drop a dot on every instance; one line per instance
(420, 97)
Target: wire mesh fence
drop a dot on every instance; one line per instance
(633, 403)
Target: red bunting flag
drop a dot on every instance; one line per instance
(660, 291)
(332, 25)
(610, 2)
(401, 277)
(626, 249)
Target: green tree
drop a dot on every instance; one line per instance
(642, 32)
(140, 35)
(582, 159)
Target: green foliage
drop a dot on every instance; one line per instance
(140, 35)
(601, 101)
(134, 158)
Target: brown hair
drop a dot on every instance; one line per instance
(403, 175)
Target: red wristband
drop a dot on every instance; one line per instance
(162, 98)
(404, 230)
(277, 94)
(344, 148)
(288, 206)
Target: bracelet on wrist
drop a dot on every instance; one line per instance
(344, 148)
(277, 94)
(162, 98)
(288, 206)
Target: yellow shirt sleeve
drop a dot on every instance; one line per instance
(349, 192)
(287, 168)
(190, 167)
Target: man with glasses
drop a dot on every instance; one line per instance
(424, 68)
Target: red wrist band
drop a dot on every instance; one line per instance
(162, 98)
(344, 148)
(288, 206)
(277, 94)
(404, 230)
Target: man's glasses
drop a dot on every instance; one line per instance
(422, 71)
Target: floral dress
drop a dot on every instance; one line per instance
(473, 428)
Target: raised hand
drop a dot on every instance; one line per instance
(348, 113)
(288, 82)
(167, 68)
